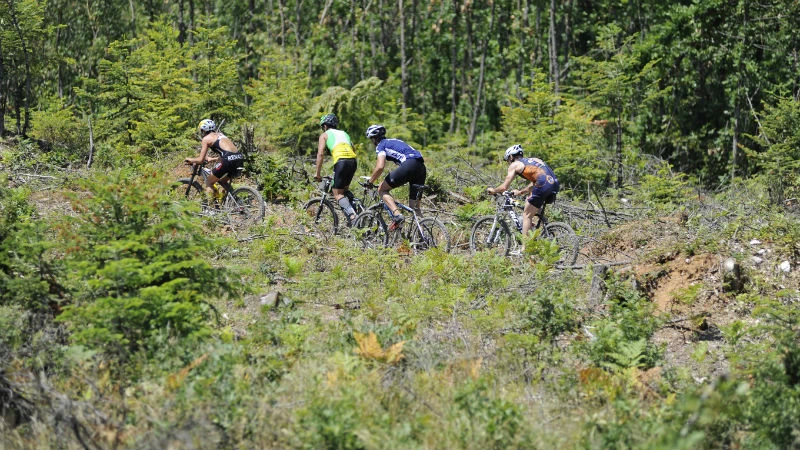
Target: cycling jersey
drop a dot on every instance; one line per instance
(537, 172)
(338, 142)
(397, 151)
(229, 162)
(545, 183)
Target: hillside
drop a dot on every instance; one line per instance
(666, 335)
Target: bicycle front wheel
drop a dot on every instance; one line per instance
(323, 218)
(566, 239)
(244, 206)
(489, 233)
(430, 233)
(370, 229)
(186, 189)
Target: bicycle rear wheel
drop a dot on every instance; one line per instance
(565, 238)
(369, 229)
(323, 217)
(430, 233)
(489, 233)
(244, 206)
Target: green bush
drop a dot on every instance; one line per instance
(65, 138)
(138, 267)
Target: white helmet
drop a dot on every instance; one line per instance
(206, 126)
(514, 150)
(378, 131)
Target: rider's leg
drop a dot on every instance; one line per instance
(528, 214)
(211, 190)
(417, 178)
(388, 200)
(343, 172)
(344, 202)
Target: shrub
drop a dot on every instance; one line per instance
(138, 267)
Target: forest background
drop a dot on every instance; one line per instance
(659, 103)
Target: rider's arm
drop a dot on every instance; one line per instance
(526, 190)
(201, 158)
(512, 172)
(379, 165)
(323, 138)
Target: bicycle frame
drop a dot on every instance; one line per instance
(507, 208)
(225, 182)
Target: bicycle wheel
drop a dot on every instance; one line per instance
(566, 240)
(186, 189)
(430, 233)
(489, 233)
(244, 206)
(323, 217)
(369, 229)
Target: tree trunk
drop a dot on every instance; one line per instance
(403, 62)
(26, 95)
(473, 126)
(191, 22)
(454, 71)
(553, 51)
(3, 93)
(281, 7)
(182, 32)
(619, 150)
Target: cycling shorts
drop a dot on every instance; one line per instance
(343, 172)
(544, 191)
(228, 165)
(411, 171)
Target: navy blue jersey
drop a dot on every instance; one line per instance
(397, 151)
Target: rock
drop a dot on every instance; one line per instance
(733, 279)
(756, 260)
(730, 265)
(755, 242)
(270, 299)
(762, 251)
(785, 267)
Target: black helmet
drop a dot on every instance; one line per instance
(330, 120)
(378, 131)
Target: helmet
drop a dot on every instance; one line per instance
(206, 126)
(514, 150)
(330, 120)
(376, 131)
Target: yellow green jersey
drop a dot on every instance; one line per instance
(339, 144)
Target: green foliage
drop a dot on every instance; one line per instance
(273, 174)
(138, 265)
(551, 312)
(563, 137)
(65, 137)
(621, 340)
(153, 90)
(780, 162)
(28, 275)
(280, 103)
(490, 422)
(663, 189)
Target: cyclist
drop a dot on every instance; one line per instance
(228, 160)
(344, 162)
(543, 185)
(411, 169)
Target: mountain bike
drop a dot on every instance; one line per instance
(238, 206)
(323, 212)
(373, 230)
(495, 232)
